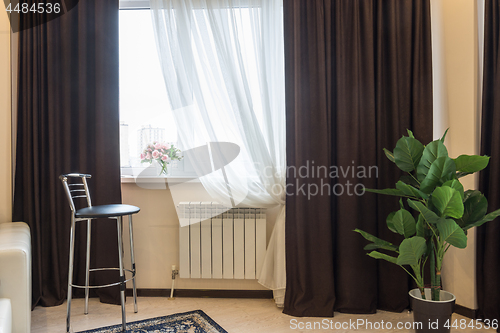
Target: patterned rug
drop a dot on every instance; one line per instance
(187, 322)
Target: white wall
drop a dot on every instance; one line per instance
(456, 105)
(5, 118)
(156, 238)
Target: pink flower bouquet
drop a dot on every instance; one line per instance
(161, 153)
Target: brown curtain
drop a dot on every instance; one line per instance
(68, 121)
(358, 74)
(488, 235)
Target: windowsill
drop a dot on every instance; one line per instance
(160, 179)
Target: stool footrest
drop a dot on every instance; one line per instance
(107, 285)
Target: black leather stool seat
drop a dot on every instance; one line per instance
(114, 210)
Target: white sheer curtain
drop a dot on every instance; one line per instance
(223, 64)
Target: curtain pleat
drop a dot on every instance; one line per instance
(235, 94)
(68, 121)
(357, 75)
(488, 235)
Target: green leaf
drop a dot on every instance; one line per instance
(409, 180)
(442, 170)
(404, 223)
(390, 225)
(428, 215)
(387, 191)
(411, 250)
(376, 246)
(377, 242)
(430, 205)
(410, 191)
(475, 208)
(420, 226)
(378, 255)
(450, 232)
(407, 153)
(448, 201)
(432, 152)
(444, 135)
(389, 155)
(455, 184)
(490, 217)
(463, 174)
(410, 134)
(471, 163)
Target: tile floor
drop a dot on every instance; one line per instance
(234, 315)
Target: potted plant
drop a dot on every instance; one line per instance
(435, 213)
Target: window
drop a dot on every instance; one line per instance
(145, 113)
(144, 108)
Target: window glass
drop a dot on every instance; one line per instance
(145, 114)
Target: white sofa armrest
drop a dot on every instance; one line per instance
(5, 316)
(15, 273)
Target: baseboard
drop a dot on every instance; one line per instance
(212, 293)
(217, 293)
(465, 311)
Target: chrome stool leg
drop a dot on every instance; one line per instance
(122, 272)
(70, 272)
(87, 267)
(130, 228)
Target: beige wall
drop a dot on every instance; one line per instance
(156, 238)
(156, 227)
(455, 80)
(455, 63)
(5, 119)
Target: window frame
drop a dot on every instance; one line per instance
(134, 4)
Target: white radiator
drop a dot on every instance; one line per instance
(216, 243)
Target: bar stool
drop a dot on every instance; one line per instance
(79, 189)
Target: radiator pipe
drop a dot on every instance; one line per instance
(174, 273)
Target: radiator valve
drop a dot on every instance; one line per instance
(174, 272)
